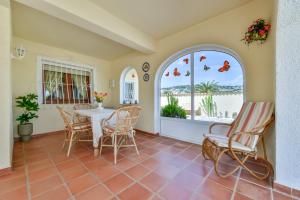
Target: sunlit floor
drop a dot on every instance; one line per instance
(165, 169)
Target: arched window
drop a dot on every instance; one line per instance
(129, 86)
(205, 83)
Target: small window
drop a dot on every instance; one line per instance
(129, 87)
(64, 83)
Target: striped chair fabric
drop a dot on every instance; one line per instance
(252, 117)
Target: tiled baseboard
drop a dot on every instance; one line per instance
(287, 190)
(5, 171)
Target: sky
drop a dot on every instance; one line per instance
(214, 60)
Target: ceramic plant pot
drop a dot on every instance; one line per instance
(25, 131)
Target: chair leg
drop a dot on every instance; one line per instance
(115, 149)
(66, 136)
(70, 144)
(101, 143)
(135, 146)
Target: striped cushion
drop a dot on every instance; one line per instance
(252, 116)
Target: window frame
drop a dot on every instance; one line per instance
(41, 60)
(173, 58)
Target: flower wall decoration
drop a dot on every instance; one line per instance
(258, 31)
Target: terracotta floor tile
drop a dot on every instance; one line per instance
(44, 185)
(124, 164)
(110, 156)
(279, 196)
(151, 163)
(149, 151)
(58, 193)
(228, 182)
(154, 181)
(247, 176)
(296, 193)
(175, 191)
(212, 190)
(41, 174)
(12, 184)
(239, 196)
(199, 170)
(40, 165)
(188, 180)
(135, 192)
(200, 160)
(118, 183)
(179, 162)
(81, 183)
(254, 191)
(16, 194)
(96, 164)
(190, 155)
(163, 157)
(167, 171)
(13, 174)
(138, 158)
(73, 172)
(88, 158)
(181, 167)
(95, 193)
(68, 164)
(281, 188)
(137, 172)
(106, 172)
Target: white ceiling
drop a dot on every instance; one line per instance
(160, 18)
(39, 27)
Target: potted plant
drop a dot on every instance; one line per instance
(99, 96)
(30, 107)
(173, 109)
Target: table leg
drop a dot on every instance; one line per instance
(96, 152)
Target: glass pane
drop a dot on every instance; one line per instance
(176, 89)
(218, 80)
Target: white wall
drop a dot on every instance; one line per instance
(24, 80)
(288, 93)
(6, 139)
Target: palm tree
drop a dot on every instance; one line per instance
(208, 87)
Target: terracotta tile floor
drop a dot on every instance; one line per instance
(165, 169)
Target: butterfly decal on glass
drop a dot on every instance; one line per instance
(206, 68)
(176, 72)
(202, 58)
(188, 73)
(186, 61)
(225, 67)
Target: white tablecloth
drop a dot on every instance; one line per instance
(96, 116)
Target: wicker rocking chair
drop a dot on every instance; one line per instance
(74, 130)
(241, 141)
(118, 129)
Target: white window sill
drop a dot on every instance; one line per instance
(200, 120)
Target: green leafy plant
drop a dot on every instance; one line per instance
(29, 106)
(173, 109)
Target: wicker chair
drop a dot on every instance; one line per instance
(242, 139)
(118, 129)
(74, 130)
